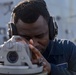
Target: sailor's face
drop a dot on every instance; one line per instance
(37, 31)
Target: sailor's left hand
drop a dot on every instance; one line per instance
(38, 58)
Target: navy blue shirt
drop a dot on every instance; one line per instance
(61, 54)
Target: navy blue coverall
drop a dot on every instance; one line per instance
(61, 54)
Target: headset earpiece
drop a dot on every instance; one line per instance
(53, 28)
(12, 30)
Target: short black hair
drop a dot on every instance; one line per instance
(29, 11)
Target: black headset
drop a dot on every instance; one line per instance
(52, 25)
(12, 29)
(53, 28)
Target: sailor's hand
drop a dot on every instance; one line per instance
(38, 58)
